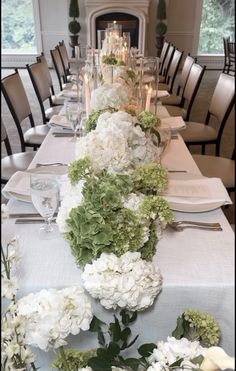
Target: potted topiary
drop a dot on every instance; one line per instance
(161, 27)
(74, 25)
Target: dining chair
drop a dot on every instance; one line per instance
(221, 104)
(57, 99)
(218, 167)
(172, 72)
(13, 161)
(190, 91)
(15, 95)
(226, 54)
(166, 64)
(65, 61)
(163, 55)
(177, 99)
(56, 59)
(231, 51)
(42, 91)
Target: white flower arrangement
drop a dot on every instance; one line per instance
(117, 144)
(126, 282)
(51, 315)
(173, 350)
(10, 259)
(109, 95)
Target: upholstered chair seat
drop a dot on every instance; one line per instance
(36, 134)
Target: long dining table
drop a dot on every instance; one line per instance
(197, 266)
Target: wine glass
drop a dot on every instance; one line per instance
(165, 138)
(74, 111)
(45, 198)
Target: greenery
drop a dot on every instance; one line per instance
(196, 325)
(148, 120)
(74, 358)
(161, 27)
(91, 122)
(102, 224)
(217, 21)
(74, 25)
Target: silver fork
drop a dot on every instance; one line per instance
(181, 225)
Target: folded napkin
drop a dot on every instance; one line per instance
(18, 186)
(176, 123)
(160, 93)
(59, 121)
(197, 194)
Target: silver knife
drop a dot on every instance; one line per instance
(31, 220)
(26, 215)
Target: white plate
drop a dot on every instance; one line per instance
(191, 207)
(21, 180)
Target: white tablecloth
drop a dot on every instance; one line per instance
(197, 266)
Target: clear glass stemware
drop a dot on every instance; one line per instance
(45, 198)
(74, 111)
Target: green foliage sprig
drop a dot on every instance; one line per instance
(114, 339)
(79, 169)
(91, 122)
(74, 358)
(197, 325)
(109, 59)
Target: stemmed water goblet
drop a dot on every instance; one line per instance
(44, 191)
(74, 112)
(165, 138)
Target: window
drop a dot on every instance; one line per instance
(217, 22)
(18, 27)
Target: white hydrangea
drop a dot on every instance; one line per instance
(172, 350)
(109, 95)
(71, 199)
(51, 315)
(126, 282)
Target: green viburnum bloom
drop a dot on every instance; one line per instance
(91, 122)
(148, 120)
(79, 169)
(109, 59)
(150, 178)
(156, 207)
(196, 325)
(74, 359)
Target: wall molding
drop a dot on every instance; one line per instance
(212, 62)
(17, 60)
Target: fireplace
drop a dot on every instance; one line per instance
(132, 14)
(129, 23)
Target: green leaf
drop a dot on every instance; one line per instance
(179, 330)
(125, 334)
(146, 349)
(197, 360)
(113, 349)
(132, 363)
(124, 317)
(96, 324)
(133, 317)
(99, 364)
(103, 354)
(101, 338)
(115, 330)
(177, 363)
(132, 342)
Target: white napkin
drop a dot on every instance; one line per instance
(204, 192)
(18, 187)
(70, 93)
(160, 93)
(59, 121)
(176, 123)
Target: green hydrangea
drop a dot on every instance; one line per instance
(78, 169)
(148, 120)
(91, 121)
(109, 59)
(203, 326)
(74, 358)
(196, 325)
(150, 178)
(156, 207)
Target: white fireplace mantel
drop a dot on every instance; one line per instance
(137, 8)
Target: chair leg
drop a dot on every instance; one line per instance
(203, 149)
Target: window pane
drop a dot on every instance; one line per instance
(18, 30)
(217, 22)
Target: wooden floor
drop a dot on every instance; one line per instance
(198, 113)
